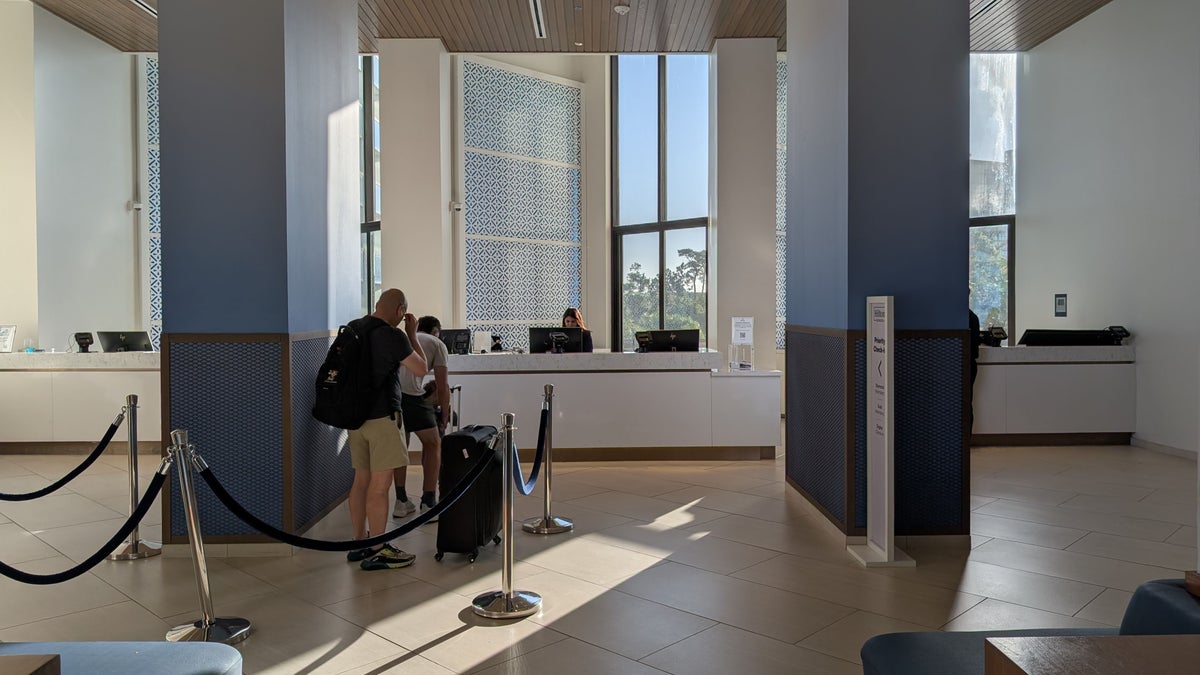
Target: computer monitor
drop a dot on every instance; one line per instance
(669, 340)
(457, 340)
(555, 339)
(1045, 337)
(124, 341)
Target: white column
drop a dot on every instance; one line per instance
(597, 291)
(416, 227)
(18, 164)
(743, 218)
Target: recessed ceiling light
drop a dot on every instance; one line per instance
(578, 44)
(621, 9)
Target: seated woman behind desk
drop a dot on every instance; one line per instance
(573, 318)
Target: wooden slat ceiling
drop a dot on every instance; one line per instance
(652, 25)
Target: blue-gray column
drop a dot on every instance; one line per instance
(877, 205)
(259, 106)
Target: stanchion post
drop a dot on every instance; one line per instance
(135, 548)
(209, 628)
(507, 603)
(548, 523)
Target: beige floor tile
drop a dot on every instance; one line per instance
(1177, 496)
(55, 467)
(107, 485)
(761, 609)
(121, 505)
(407, 663)
(637, 483)
(1167, 512)
(1184, 536)
(684, 546)
(719, 478)
(56, 511)
(994, 614)
(978, 501)
(1079, 519)
(646, 509)
(19, 546)
(456, 575)
(587, 611)
(565, 488)
(585, 520)
(853, 586)
(167, 586)
(592, 561)
(9, 468)
(1024, 531)
(804, 537)
(321, 578)
(78, 542)
(977, 540)
(845, 638)
(30, 482)
(442, 627)
(24, 603)
(1039, 591)
(122, 621)
(1039, 479)
(724, 649)
(1141, 551)
(291, 636)
(1107, 608)
(1081, 567)
(989, 487)
(571, 656)
(740, 503)
(1180, 476)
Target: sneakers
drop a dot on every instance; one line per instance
(404, 508)
(360, 554)
(425, 507)
(388, 558)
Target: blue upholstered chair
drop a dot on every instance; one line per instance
(1161, 607)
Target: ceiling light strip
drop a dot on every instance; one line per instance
(145, 8)
(539, 19)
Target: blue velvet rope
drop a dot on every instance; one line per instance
(523, 487)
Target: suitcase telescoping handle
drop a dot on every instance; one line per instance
(456, 407)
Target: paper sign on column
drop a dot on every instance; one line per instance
(743, 330)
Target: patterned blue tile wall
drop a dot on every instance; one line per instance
(321, 472)
(929, 435)
(523, 209)
(816, 418)
(228, 396)
(780, 203)
(540, 119)
(154, 201)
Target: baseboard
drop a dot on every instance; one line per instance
(77, 448)
(705, 453)
(1165, 449)
(1025, 440)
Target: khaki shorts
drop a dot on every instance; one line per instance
(378, 445)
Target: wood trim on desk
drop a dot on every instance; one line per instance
(554, 372)
(1029, 440)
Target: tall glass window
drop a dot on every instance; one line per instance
(369, 185)
(993, 193)
(661, 193)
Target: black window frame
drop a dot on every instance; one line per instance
(661, 225)
(369, 224)
(1011, 221)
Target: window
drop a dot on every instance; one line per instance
(369, 186)
(993, 187)
(661, 194)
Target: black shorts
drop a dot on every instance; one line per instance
(418, 413)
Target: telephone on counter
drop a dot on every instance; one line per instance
(993, 336)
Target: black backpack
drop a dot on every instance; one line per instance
(345, 390)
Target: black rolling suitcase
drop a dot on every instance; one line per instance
(473, 520)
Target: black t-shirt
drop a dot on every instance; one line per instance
(976, 338)
(389, 346)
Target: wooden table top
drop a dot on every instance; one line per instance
(1093, 655)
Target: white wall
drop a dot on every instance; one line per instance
(87, 259)
(18, 204)
(1108, 195)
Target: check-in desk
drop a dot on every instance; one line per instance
(1047, 395)
(72, 397)
(657, 405)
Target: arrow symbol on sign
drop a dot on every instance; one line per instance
(880, 368)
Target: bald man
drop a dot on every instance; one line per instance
(377, 447)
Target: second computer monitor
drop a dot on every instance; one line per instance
(669, 340)
(555, 339)
(458, 340)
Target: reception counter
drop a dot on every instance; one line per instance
(1043, 395)
(659, 405)
(72, 397)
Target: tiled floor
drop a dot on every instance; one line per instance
(682, 567)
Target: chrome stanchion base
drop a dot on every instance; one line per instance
(496, 605)
(135, 551)
(551, 525)
(224, 629)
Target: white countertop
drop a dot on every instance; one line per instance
(594, 361)
(1021, 354)
(22, 361)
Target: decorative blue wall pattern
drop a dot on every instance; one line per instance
(523, 202)
(153, 203)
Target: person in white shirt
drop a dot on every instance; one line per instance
(421, 405)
